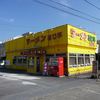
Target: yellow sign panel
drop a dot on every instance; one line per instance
(80, 37)
(48, 38)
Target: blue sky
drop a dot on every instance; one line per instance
(20, 16)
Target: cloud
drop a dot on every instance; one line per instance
(64, 2)
(8, 20)
(11, 20)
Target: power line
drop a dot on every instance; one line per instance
(37, 1)
(92, 4)
(74, 9)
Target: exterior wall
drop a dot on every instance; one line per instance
(80, 42)
(53, 41)
(50, 40)
(62, 40)
(13, 48)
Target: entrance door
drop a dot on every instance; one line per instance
(65, 66)
(38, 64)
(30, 68)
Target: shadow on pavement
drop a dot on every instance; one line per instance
(5, 70)
(81, 76)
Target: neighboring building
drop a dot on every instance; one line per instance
(2, 50)
(75, 45)
(98, 42)
(2, 54)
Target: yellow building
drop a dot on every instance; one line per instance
(30, 51)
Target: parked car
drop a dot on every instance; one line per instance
(2, 64)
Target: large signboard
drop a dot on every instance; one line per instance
(80, 37)
(42, 38)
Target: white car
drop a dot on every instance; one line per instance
(2, 63)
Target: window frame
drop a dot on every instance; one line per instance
(86, 59)
(19, 60)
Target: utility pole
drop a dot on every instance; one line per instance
(97, 65)
(97, 74)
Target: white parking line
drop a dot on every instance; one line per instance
(23, 77)
(28, 83)
(17, 76)
(20, 77)
(9, 78)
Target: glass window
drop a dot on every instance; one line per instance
(72, 54)
(80, 59)
(92, 58)
(14, 61)
(20, 60)
(31, 61)
(72, 60)
(87, 59)
(25, 60)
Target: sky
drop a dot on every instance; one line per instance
(21, 16)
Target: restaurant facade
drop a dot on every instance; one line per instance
(29, 52)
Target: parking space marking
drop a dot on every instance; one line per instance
(11, 76)
(28, 83)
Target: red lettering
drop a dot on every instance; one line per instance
(37, 39)
(83, 36)
(54, 36)
(43, 52)
(59, 34)
(28, 41)
(49, 37)
(22, 53)
(92, 44)
(73, 33)
(32, 40)
(42, 38)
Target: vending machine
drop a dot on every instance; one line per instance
(56, 66)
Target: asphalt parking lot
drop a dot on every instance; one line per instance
(15, 86)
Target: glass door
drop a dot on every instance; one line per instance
(38, 64)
